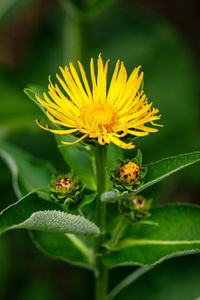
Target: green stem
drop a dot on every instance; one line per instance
(102, 273)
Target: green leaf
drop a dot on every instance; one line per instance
(161, 169)
(67, 247)
(33, 90)
(85, 200)
(33, 173)
(177, 279)
(170, 231)
(58, 221)
(31, 212)
(127, 281)
(79, 162)
(113, 155)
(157, 171)
(14, 171)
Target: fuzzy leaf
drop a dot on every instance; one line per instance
(170, 231)
(58, 221)
(31, 212)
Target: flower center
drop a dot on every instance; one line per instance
(99, 117)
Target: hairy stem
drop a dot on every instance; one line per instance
(102, 274)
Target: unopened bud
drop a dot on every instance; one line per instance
(137, 202)
(64, 187)
(129, 173)
(135, 208)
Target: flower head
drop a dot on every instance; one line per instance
(103, 114)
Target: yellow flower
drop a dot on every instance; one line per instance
(105, 115)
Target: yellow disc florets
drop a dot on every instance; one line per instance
(129, 173)
(98, 118)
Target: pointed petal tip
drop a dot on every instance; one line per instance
(76, 141)
(44, 95)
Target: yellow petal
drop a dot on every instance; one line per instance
(93, 78)
(137, 133)
(79, 84)
(76, 141)
(121, 144)
(58, 131)
(85, 80)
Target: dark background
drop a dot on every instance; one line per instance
(38, 36)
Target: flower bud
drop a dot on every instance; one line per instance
(64, 187)
(135, 208)
(129, 173)
(137, 203)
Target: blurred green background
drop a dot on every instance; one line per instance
(36, 36)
